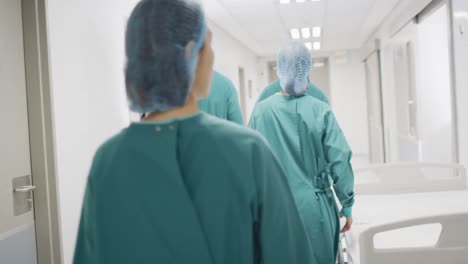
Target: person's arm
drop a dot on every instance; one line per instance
(338, 155)
(86, 251)
(251, 123)
(280, 233)
(233, 111)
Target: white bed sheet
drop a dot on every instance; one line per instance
(373, 210)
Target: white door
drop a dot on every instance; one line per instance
(17, 231)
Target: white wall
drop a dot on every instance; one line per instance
(231, 55)
(86, 39)
(460, 14)
(349, 102)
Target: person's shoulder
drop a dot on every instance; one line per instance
(271, 88)
(274, 86)
(223, 127)
(105, 152)
(230, 132)
(275, 97)
(224, 83)
(219, 78)
(110, 145)
(310, 104)
(317, 93)
(315, 102)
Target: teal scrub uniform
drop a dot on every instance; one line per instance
(275, 87)
(191, 190)
(312, 149)
(222, 101)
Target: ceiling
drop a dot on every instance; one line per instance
(264, 25)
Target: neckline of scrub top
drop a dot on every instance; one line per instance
(169, 121)
(289, 96)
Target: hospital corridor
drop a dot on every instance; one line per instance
(233, 131)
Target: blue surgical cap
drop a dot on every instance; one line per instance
(294, 63)
(162, 41)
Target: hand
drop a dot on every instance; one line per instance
(347, 226)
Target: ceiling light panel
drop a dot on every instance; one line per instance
(295, 33)
(305, 32)
(316, 32)
(317, 45)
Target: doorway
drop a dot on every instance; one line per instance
(29, 229)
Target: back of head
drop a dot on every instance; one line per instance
(294, 63)
(163, 40)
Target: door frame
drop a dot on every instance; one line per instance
(40, 113)
(383, 135)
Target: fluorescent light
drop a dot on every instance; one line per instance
(315, 0)
(317, 45)
(319, 64)
(309, 45)
(300, 1)
(295, 34)
(305, 32)
(316, 32)
(284, 2)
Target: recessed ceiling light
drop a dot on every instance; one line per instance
(309, 45)
(305, 32)
(315, 0)
(316, 32)
(295, 34)
(284, 2)
(300, 1)
(317, 45)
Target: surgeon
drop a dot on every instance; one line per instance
(222, 101)
(305, 136)
(183, 186)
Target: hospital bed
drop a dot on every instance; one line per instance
(403, 210)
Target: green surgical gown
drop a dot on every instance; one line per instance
(275, 87)
(222, 101)
(312, 149)
(192, 190)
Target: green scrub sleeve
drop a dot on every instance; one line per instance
(338, 155)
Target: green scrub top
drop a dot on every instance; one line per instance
(309, 143)
(191, 190)
(275, 87)
(222, 101)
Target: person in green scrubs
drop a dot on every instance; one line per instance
(183, 186)
(307, 139)
(275, 87)
(222, 101)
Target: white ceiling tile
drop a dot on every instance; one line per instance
(264, 25)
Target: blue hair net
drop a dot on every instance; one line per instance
(294, 63)
(162, 41)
